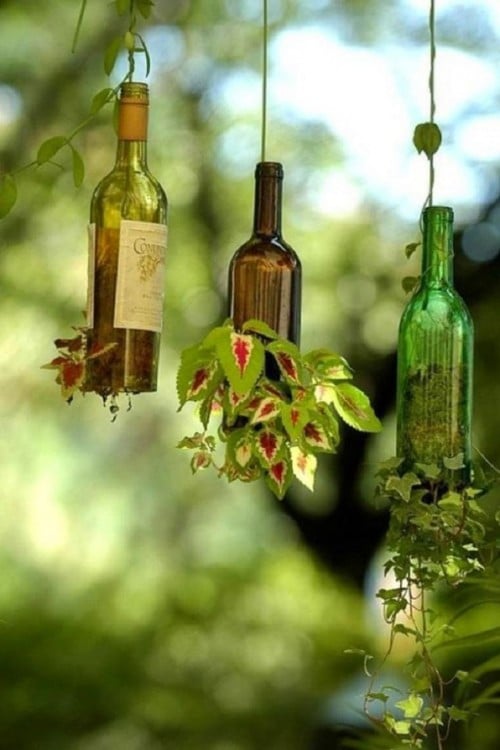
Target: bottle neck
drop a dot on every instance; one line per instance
(131, 155)
(437, 259)
(132, 131)
(268, 197)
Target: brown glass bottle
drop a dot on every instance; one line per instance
(265, 274)
(127, 240)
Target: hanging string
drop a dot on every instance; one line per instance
(264, 82)
(432, 30)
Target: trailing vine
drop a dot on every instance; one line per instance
(129, 40)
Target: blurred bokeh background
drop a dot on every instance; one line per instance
(144, 608)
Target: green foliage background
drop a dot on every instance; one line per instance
(142, 607)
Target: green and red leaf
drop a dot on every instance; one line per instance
(316, 437)
(265, 409)
(287, 356)
(267, 446)
(294, 417)
(201, 460)
(279, 477)
(242, 359)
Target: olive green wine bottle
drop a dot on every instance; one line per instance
(127, 245)
(265, 273)
(435, 358)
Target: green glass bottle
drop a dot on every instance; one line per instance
(265, 272)
(435, 358)
(127, 245)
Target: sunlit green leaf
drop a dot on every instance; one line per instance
(101, 99)
(354, 407)
(50, 147)
(260, 328)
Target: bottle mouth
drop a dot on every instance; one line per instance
(443, 212)
(269, 169)
(134, 91)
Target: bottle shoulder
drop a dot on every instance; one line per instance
(128, 194)
(270, 250)
(436, 305)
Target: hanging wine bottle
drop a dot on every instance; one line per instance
(265, 272)
(127, 245)
(435, 357)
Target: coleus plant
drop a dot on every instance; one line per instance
(71, 362)
(276, 408)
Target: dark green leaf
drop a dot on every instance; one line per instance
(8, 194)
(111, 54)
(409, 283)
(101, 99)
(455, 462)
(78, 167)
(411, 248)
(403, 485)
(427, 138)
(50, 147)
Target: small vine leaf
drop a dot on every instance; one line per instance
(265, 410)
(267, 446)
(411, 706)
(304, 466)
(427, 138)
(242, 359)
(260, 328)
(454, 463)
(78, 167)
(403, 486)
(458, 714)
(144, 7)
(50, 147)
(411, 248)
(316, 437)
(431, 471)
(288, 358)
(353, 406)
(279, 477)
(101, 99)
(451, 501)
(111, 54)
(409, 283)
(8, 194)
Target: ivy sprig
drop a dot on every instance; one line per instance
(437, 537)
(277, 408)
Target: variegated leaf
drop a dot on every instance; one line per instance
(316, 437)
(242, 359)
(328, 366)
(353, 406)
(265, 410)
(193, 371)
(287, 356)
(294, 417)
(243, 452)
(304, 466)
(267, 446)
(279, 477)
(201, 460)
